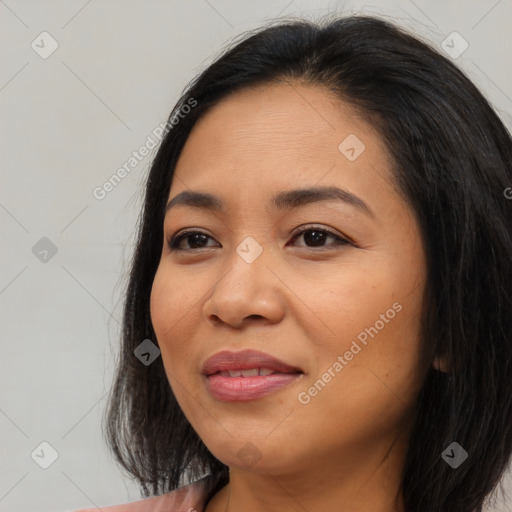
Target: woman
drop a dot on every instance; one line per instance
(324, 264)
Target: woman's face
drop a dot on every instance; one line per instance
(339, 304)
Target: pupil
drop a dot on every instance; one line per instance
(316, 240)
(195, 237)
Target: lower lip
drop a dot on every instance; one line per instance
(241, 389)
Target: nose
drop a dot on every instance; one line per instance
(246, 293)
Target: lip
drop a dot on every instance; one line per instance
(244, 360)
(239, 389)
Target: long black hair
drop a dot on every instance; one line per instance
(452, 162)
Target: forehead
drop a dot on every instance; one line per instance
(281, 136)
(281, 117)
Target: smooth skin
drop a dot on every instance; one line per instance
(304, 300)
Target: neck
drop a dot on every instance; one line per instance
(369, 479)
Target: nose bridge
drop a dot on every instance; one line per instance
(248, 288)
(248, 264)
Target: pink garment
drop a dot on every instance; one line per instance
(189, 498)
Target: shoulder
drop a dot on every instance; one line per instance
(189, 498)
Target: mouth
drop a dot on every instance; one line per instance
(247, 363)
(247, 375)
(251, 372)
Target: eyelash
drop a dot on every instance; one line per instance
(174, 242)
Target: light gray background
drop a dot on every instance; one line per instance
(68, 123)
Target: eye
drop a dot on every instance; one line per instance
(313, 235)
(198, 238)
(316, 236)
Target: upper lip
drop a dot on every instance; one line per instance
(245, 360)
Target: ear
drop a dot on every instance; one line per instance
(439, 364)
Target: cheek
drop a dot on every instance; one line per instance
(171, 315)
(376, 382)
(373, 317)
(343, 306)
(160, 301)
(172, 300)
(169, 308)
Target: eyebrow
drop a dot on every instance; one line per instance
(282, 200)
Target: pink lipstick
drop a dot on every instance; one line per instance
(246, 375)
